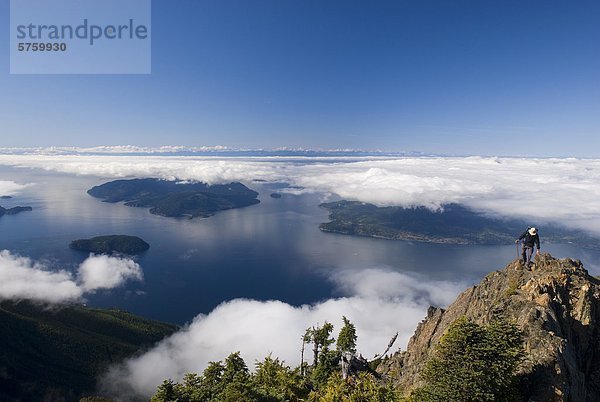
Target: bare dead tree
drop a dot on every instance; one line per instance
(390, 344)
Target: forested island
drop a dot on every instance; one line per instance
(111, 244)
(454, 224)
(13, 211)
(176, 199)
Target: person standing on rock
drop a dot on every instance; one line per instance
(530, 238)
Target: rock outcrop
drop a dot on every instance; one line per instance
(556, 304)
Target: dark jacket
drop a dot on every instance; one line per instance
(529, 240)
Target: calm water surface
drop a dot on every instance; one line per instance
(273, 250)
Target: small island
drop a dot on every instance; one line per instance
(14, 211)
(5, 197)
(111, 244)
(176, 199)
(275, 195)
(453, 224)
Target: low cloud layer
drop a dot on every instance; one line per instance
(378, 301)
(111, 149)
(22, 278)
(105, 272)
(564, 191)
(11, 188)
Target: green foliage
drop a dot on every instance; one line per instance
(474, 363)
(513, 286)
(232, 382)
(274, 381)
(373, 364)
(321, 339)
(211, 383)
(236, 380)
(76, 343)
(361, 388)
(346, 341)
(325, 361)
(167, 391)
(329, 363)
(235, 368)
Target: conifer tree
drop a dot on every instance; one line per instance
(346, 341)
(474, 363)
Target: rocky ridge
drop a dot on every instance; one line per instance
(556, 303)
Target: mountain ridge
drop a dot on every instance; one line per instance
(556, 303)
(50, 352)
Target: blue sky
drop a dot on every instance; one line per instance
(456, 77)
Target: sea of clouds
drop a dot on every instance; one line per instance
(9, 188)
(379, 301)
(563, 191)
(23, 278)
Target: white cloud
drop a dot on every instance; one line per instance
(11, 188)
(379, 302)
(105, 272)
(554, 190)
(22, 278)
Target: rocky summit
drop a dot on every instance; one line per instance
(555, 302)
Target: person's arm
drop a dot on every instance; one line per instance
(521, 237)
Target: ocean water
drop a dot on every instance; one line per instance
(273, 250)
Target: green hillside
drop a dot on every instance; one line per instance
(455, 224)
(53, 353)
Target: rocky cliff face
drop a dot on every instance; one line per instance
(557, 305)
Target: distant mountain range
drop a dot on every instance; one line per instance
(179, 150)
(454, 224)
